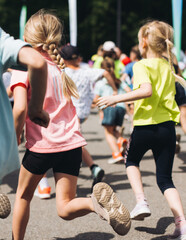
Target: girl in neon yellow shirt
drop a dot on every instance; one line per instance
(155, 116)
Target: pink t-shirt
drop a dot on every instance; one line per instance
(63, 131)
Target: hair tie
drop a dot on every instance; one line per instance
(169, 42)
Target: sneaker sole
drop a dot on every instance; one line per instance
(42, 196)
(113, 161)
(141, 216)
(5, 206)
(119, 216)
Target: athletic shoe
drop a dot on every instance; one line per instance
(116, 158)
(5, 206)
(122, 144)
(178, 234)
(140, 211)
(42, 193)
(181, 237)
(110, 208)
(97, 174)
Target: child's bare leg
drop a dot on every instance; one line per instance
(135, 180)
(183, 117)
(26, 187)
(69, 207)
(173, 198)
(111, 140)
(86, 157)
(141, 209)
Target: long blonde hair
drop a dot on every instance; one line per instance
(44, 32)
(160, 39)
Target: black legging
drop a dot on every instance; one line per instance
(161, 139)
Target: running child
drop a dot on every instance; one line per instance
(155, 116)
(112, 116)
(60, 145)
(85, 80)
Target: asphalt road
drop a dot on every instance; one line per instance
(44, 223)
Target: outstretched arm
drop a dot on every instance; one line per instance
(37, 73)
(144, 91)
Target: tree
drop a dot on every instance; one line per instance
(96, 19)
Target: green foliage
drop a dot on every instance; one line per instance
(97, 19)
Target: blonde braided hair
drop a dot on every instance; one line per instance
(44, 31)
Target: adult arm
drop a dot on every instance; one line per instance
(37, 73)
(144, 91)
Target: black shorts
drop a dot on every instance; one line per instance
(160, 138)
(68, 162)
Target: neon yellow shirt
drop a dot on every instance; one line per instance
(161, 106)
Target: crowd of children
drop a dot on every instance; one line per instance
(54, 97)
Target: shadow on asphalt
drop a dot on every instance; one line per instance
(94, 139)
(89, 236)
(89, 132)
(182, 156)
(160, 228)
(11, 180)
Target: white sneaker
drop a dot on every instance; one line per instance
(140, 211)
(178, 234)
(181, 237)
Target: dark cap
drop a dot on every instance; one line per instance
(69, 52)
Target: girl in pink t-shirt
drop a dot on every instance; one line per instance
(60, 145)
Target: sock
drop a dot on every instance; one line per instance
(180, 229)
(180, 220)
(140, 197)
(93, 165)
(43, 183)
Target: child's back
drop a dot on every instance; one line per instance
(161, 105)
(84, 80)
(62, 133)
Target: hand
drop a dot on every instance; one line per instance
(115, 93)
(39, 117)
(104, 102)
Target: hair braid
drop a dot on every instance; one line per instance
(69, 87)
(169, 51)
(43, 31)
